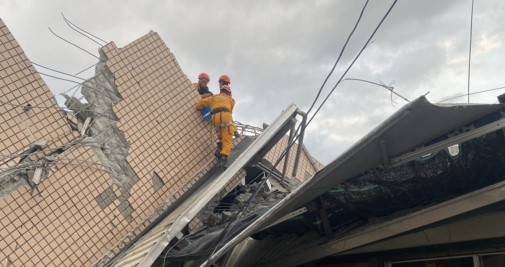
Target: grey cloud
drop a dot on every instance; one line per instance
(279, 52)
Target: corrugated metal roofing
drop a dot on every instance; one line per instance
(417, 124)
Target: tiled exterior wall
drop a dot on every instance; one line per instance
(165, 132)
(60, 223)
(78, 214)
(306, 167)
(21, 86)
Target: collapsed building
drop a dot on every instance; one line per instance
(125, 180)
(77, 185)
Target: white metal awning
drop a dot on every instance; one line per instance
(147, 250)
(415, 129)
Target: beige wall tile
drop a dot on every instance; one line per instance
(157, 117)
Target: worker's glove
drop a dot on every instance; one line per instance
(236, 134)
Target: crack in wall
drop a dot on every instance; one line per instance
(30, 171)
(97, 123)
(112, 147)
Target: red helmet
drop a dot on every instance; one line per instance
(204, 75)
(226, 88)
(224, 78)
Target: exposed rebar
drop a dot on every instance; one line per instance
(72, 43)
(81, 31)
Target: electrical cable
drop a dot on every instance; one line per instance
(33, 165)
(339, 56)
(61, 72)
(75, 76)
(347, 70)
(355, 59)
(63, 79)
(474, 93)
(389, 88)
(110, 146)
(60, 108)
(227, 229)
(74, 88)
(208, 261)
(86, 69)
(470, 52)
(168, 250)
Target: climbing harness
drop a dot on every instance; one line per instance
(217, 110)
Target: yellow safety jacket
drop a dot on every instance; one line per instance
(221, 108)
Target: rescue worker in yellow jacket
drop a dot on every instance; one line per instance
(201, 86)
(222, 120)
(202, 89)
(225, 80)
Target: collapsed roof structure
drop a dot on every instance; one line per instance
(419, 181)
(128, 179)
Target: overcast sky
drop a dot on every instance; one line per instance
(280, 52)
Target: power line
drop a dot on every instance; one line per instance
(86, 69)
(63, 79)
(226, 230)
(470, 52)
(474, 93)
(355, 59)
(339, 56)
(61, 72)
(387, 87)
(60, 108)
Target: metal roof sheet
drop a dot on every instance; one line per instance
(416, 125)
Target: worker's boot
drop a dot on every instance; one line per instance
(217, 153)
(223, 159)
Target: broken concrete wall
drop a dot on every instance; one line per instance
(110, 146)
(26, 107)
(167, 138)
(142, 150)
(108, 169)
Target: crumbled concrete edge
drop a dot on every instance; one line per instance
(32, 167)
(111, 145)
(96, 122)
(15, 177)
